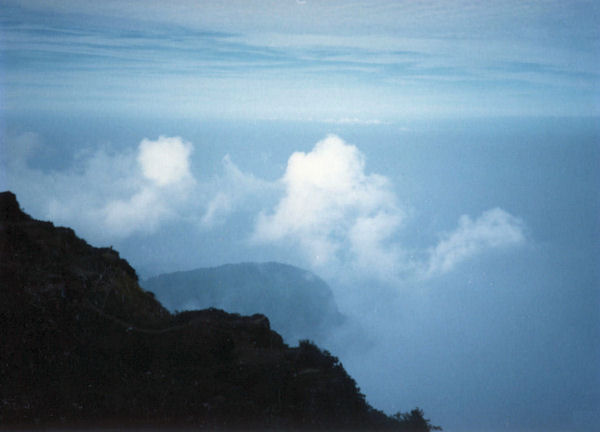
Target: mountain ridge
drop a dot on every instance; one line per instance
(83, 344)
(299, 304)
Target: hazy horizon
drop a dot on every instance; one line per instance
(437, 166)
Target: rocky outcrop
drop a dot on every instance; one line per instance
(82, 344)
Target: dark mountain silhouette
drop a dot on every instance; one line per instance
(298, 303)
(82, 344)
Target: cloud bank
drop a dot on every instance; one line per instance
(341, 217)
(336, 217)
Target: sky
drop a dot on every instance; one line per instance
(301, 60)
(438, 165)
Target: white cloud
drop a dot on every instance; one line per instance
(495, 228)
(166, 160)
(340, 219)
(329, 202)
(106, 193)
(166, 183)
(142, 212)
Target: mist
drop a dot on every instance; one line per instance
(436, 166)
(478, 299)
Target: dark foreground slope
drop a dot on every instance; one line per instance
(299, 304)
(82, 343)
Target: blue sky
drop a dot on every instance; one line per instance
(437, 164)
(302, 60)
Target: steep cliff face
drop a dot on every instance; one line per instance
(41, 262)
(82, 342)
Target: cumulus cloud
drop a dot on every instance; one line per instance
(114, 193)
(341, 219)
(338, 215)
(166, 160)
(142, 211)
(495, 228)
(106, 193)
(166, 181)
(328, 205)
